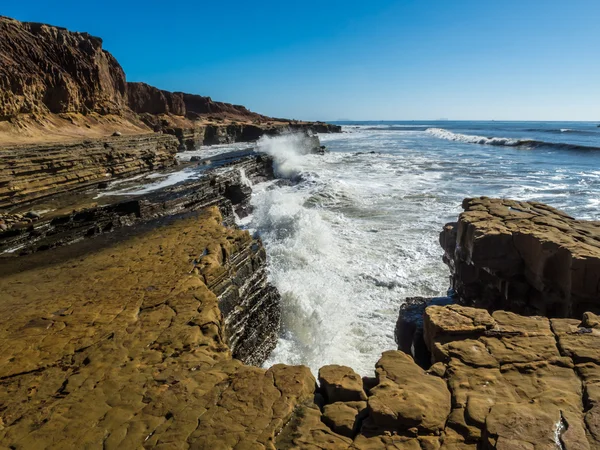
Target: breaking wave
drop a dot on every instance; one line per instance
(506, 142)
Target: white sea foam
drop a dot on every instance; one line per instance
(166, 180)
(358, 231)
(338, 253)
(208, 151)
(472, 139)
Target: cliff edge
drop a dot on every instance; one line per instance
(58, 85)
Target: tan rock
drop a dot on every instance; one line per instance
(511, 426)
(446, 323)
(590, 320)
(523, 256)
(406, 397)
(344, 418)
(341, 384)
(306, 430)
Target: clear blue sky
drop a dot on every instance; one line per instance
(378, 59)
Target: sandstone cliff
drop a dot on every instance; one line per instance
(58, 85)
(49, 69)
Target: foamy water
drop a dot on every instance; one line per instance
(359, 233)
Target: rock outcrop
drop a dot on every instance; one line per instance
(50, 69)
(222, 187)
(146, 348)
(515, 381)
(135, 352)
(525, 257)
(34, 171)
(60, 85)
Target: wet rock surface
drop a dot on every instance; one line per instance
(409, 327)
(525, 257)
(221, 185)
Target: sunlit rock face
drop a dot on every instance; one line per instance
(525, 257)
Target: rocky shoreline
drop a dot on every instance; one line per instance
(169, 305)
(70, 120)
(141, 321)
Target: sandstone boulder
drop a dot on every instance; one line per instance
(341, 384)
(406, 397)
(344, 418)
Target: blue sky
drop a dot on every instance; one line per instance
(412, 59)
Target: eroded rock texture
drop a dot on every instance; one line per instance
(50, 69)
(222, 187)
(60, 85)
(515, 381)
(134, 353)
(35, 171)
(525, 257)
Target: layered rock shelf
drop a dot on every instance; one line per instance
(222, 187)
(525, 257)
(134, 353)
(151, 344)
(140, 322)
(30, 172)
(69, 119)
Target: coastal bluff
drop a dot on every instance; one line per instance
(142, 321)
(69, 119)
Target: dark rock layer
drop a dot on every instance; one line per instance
(251, 306)
(223, 188)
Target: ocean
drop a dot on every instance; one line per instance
(356, 233)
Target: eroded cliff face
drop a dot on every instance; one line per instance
(143, 98)
(525, 257)
(58, 85)
(50, 69)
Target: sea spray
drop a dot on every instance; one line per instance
(287, 150)
(352, 233)
(338, 254)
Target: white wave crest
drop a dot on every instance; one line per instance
(288, 151)
(473, 139)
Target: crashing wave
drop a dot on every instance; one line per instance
(504, 142)
(472, 139)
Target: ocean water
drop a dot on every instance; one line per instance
(358, 233)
